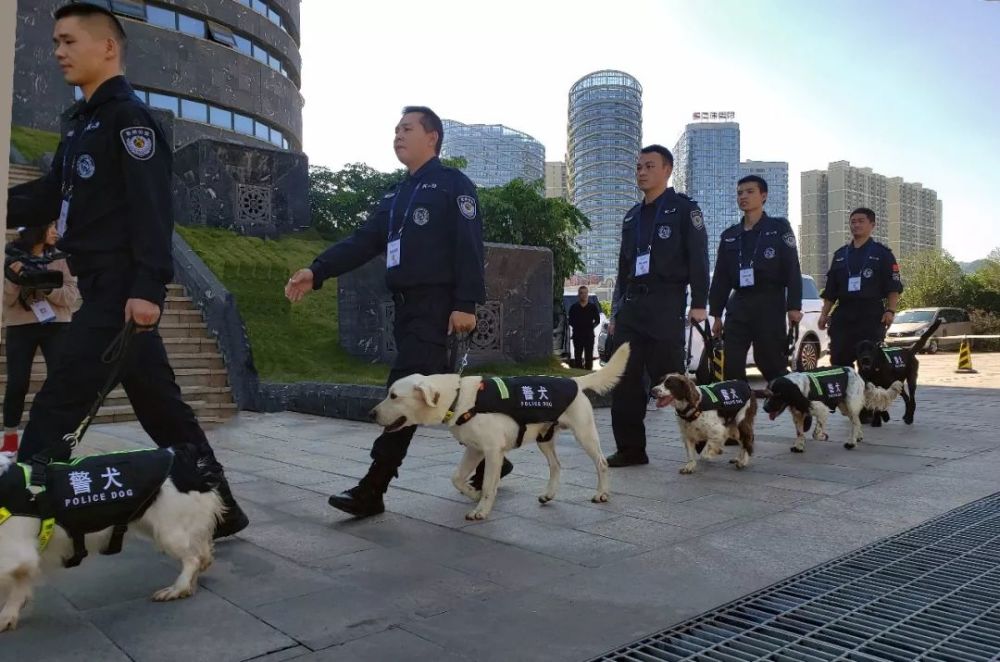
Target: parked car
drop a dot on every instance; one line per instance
(955, 323)
(811, 345)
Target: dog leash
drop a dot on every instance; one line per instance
(114, 354)
(792, 339)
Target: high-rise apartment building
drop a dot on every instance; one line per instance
(604, 139)
(908, 215)
(775, 173)
(555, 179)
(707, 167)
(495, 154)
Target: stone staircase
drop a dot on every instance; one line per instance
(193, 354)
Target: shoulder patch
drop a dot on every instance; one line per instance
(789, 239)
(467, 205)
(697, 220)
(139, 141)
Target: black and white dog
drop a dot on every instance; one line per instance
(168, 495)
(815, 393)
(882, 366)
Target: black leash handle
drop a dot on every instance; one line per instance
(115, 353)
(792, 339)
(458, 352)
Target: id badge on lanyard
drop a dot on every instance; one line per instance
(746, 277)
(393, 247)
(746, 273)
(43, 311)
(642, 260)
(642, 264)
(854, 284)
(63, 215)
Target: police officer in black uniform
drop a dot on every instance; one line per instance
(109, 186)
(864, 282)
(758, 281)
(664, 249)
(430, 231)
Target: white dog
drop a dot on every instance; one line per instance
(814, 393)
(180, 508)
(709, 415)
(491, 416)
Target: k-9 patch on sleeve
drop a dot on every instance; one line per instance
(140, 142)
(697, 220)
(467, 205)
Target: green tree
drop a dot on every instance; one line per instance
(931, 278)
(518, 213)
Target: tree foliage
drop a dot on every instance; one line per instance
(931, 278)
(516, 213)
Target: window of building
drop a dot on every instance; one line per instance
(190, 25)
(131, 8)
(243, 45)
(273, 16)
(194, 110)
(221, 34)
(242, 124)
(164, 101)
(277, 138)
(140, 95)
(259, 6)
(260, 54)
(220, 117)
(162, 18)
(262, 131)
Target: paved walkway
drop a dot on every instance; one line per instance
(565, 581)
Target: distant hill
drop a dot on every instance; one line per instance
(972, 267)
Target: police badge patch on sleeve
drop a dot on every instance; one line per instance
(789, 240)
(467, 205)
(697, 220)
(140, 142)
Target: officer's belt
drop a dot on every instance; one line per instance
(421, 292)
(655, 287)
(81, 265)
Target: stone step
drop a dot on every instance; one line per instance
(183, 330)
(198, 345)
(181, 315)
(177, 360)
(190, 395)
(184, 376)
(173, 302)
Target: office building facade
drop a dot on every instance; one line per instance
(555, 179)
(604, 139)
(226, 69)
(706, 168)
(494, 154)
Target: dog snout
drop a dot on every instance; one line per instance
(372, 415)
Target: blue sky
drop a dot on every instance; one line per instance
(907, 87)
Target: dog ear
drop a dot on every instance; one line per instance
(431, 396)
(691, 393)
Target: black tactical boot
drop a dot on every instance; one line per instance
(365, 499)
(477, 478)
(235, 520)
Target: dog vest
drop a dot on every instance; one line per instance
(90, 493)
(828, 385)
(895, 357)
(726, 398)
(527, 400)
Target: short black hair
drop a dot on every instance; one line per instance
(430, 121)
(668, 158)
(866, 211)
(754, 179)
(582, 288)
(85, 9)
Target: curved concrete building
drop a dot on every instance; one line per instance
(604, 139)
(227, 69)
(496, 154)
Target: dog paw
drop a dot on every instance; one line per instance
(798, 449)
(206, 563)
(821, 436)
(171, 593)
(8, 623)
(687, 469)
(475, 515)
(849, 445)
(740, 465)
(545, 498)
(601, 497)
(908, 420)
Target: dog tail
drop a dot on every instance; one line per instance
(925, 336)
(745, 426)
(193, 471)
(606, 378)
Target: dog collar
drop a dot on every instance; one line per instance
(450, 414)
(690, 413)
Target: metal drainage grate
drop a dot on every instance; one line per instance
(930, 593)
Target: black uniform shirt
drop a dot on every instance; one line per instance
(672, 230)
(114, 167)
(769, 249)
(435, 214)
(873, 262)
(584, 319)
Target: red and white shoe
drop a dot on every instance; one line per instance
(10, 443)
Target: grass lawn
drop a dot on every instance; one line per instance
(298, 343)
(32, 143)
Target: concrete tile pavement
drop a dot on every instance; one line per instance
(564, 581)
